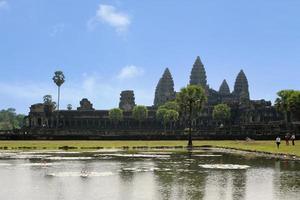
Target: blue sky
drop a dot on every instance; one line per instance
(104, 47)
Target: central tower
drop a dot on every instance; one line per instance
(198, 74)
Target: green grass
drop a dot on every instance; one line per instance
(261, 146)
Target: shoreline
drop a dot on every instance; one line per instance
(260, 148)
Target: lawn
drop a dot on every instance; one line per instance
(262, 146)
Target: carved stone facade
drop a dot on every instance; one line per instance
(164, 91)
(243, 110)
(127, 100)
(198, 74)
(85, 105)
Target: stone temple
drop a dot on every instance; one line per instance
(245, 113)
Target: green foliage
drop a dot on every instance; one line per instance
(116, 115)
(190, 100)
(294, 104)
(281, 102)
(140, 113)
(170, 105)
(69, 107)
(288, 102)
(58, 78)
(47, 99)
(10, 120)
(160, 114)
(221, 112)
(168, 112)
(171, 116)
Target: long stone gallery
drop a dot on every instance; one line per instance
(248, 117)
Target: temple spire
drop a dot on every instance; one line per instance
(198, 74)
(165, 89)
(241, 87)
(224, 88)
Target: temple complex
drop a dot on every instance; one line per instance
(244, 111)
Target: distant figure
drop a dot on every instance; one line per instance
(287, 137)
(293, 138)
(278, 141)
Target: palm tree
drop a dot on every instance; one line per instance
(69, 107)
(190, 101)
(59, 79)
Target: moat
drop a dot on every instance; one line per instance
(112, 174)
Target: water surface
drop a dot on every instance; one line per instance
(205, 174)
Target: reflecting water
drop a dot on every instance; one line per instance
(206, 174)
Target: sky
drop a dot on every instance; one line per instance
(104, 47)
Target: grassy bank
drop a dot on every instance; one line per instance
(261, 146)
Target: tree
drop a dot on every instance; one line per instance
(69, 107)
(47, 99)
(168, 113)
(171, 116)
(190, 101)
(59, 79)
(161, 116)
(170, 105)
(221, 112)
(10, 120)
(281, 103)
(116, 115)
(140, 113)
(294, 105)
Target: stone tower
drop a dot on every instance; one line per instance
(85, 105)
(198, 74)
(165, 89)
(224, 88)
(241, 87)
(127, 100)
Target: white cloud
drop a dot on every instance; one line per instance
(56, 29)
(110, 15)
(130, 71)
(3, 4)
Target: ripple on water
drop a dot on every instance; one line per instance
(207, 155)
(136, 155)
(80, 174)
(5, 164)
(224, 166)
(68, 158)
(28, 156)
(135, 169)
(38, 164)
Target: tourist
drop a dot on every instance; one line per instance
(293, 137)
(278, 141)
(287, 137)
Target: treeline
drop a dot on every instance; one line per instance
(10, 120)
(288, 102)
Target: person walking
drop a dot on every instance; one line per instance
(293, 138)
(278, 141)
(287, 138)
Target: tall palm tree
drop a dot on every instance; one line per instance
(59, 79)
(191, 100)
